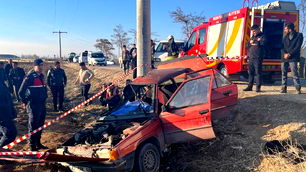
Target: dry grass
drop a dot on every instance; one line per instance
(259, 118)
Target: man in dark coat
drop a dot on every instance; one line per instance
(16, 75)
(7, 114)
(57, 80)
(8, 67)
(292, 43)
(256, 53)
(3, 76)
(133, 55)
(33, 93)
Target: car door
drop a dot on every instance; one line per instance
(188, 116)
(224, 96)
(191, 45)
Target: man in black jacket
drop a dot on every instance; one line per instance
(3, 76)
(33, 93)
(8, 67)
(57, 80)
(7, 114)
(256, 53)
(16, 75)
(292, 43)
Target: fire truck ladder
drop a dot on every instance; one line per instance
(254, 6)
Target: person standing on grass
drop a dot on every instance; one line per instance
(126, 59)
(33, 93)
(84, 78)
(57, 80)
(16, 75)
(8, 129)
(292, 43)
(133, 55)
(256, 53)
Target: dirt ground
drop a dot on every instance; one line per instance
(259, 117)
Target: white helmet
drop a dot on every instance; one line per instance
(170, 37)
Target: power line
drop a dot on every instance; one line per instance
(60, 42)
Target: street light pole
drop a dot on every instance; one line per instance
(143, 36)
(60, 43)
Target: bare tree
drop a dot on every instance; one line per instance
(120, 37)
(105, 46)
(189, 21)
(302, 8)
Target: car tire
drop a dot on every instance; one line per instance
(223, 70)
(147, 158)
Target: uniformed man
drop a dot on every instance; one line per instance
(7, 114)
(33, 93)
(16, 75)
(57, 80)
(256, 53)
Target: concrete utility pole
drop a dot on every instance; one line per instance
(60, 42)
(143, 12)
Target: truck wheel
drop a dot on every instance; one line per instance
(223, 70)
(148, 159)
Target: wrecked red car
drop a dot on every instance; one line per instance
(166, 106)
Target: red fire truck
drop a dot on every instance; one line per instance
(221, 42)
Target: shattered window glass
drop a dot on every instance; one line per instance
(191, 93)
(220, 81)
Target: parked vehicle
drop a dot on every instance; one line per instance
(97, 58)
(161, 53)
(110, 62)
(76, 59)
(166, 106)
(71, 56)
(84, 56)
(221, 42)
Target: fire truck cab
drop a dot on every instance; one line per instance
(221, 41)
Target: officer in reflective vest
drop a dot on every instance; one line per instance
(33, 93)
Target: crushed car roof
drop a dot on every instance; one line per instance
(157, 76)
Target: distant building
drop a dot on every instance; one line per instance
(8, 56)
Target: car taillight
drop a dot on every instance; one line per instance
(113, 155)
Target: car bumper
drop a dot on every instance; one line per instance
(124, 164)
(99, 63)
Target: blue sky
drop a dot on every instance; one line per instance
(26, 26)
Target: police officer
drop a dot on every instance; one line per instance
(57, 80)
(256, 53)
(16, 75)
(33, 93)
(7, 114)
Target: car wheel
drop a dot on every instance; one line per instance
(223, 70)
(105, 64)
(148, 159)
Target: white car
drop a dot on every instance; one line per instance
(161, 53)
(96, 58)
(110, 62)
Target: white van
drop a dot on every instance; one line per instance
(84, 56)
(161, 53)
(97, 58)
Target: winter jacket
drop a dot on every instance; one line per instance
(56, 77)
(6, 105)
(293, 47)
(257, 52)
(33, 88)
(17, 75)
